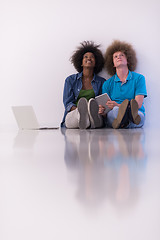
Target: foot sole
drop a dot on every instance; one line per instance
(122, 110)
(83, 111)
(93, 109)
(134, 112)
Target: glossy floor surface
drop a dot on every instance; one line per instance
(80, 184)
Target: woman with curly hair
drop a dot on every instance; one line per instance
(126, 88)
(81, 88)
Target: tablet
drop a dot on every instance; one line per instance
(102, 99)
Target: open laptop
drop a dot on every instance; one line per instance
(102, 99)
(26, 118)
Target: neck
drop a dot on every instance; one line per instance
(122, 73)
(88, 73)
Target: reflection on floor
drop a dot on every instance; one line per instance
(80, 184)
(108, 166)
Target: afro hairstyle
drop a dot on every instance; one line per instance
(87, 46)
(119, 46)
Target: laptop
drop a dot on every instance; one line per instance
(102, 99)
(26, 118)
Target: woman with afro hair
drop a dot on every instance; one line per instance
(126, 88)
(80, 89)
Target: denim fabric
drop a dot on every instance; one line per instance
(72, 87)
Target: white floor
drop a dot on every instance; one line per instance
(80, 184)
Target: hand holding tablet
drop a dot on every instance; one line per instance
(102, 100)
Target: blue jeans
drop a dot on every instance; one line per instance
(111, 115)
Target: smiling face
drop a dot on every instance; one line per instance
(88, 60)
(119, 59)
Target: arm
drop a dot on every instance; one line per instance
(139, 99)
(107, 88)
(110, 104)
(68, 95)
(140, 92)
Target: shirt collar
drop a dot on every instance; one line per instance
(81, 74)
(129, 77)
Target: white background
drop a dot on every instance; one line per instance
(37, 38)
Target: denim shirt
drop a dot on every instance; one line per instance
(72, 87)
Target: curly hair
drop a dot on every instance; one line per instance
(88, 46)
(124, 47)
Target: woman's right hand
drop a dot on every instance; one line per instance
(73, 108)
